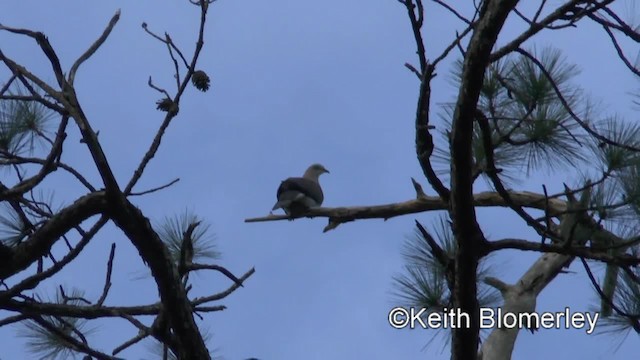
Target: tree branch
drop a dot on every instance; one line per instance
(41, 241)
(94, 47)
(538, 26)
(427, 203)
(574, 251)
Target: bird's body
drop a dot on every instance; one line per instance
(297, 195)
(302, 190)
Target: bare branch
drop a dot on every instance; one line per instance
(620, 24)
(224, 271)
(538, 26)
(424, 139)
(453, 11)
(414, 206)
(595, 284)
(619, 51)
(155, 189)
(210, 308)
(7, 85)
(437, 251)
(419, 192)
(574, 251)
(224, 294)
(12, 319)
(454, 43)
(151, 152)
(94, 47)
(107, 281)
(539, 11)
(46, 48)
(158, 89)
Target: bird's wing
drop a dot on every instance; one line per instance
(300, 186)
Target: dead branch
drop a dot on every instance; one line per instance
(427, 203)
(155, 144)
(424, 139)
(536, 27)
(107, 281)
(155, 189)
(94, 47)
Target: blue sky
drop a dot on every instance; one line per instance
(293, 83)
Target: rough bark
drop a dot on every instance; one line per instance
(467, 232)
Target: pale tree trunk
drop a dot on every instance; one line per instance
(521, 297)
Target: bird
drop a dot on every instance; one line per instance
(296, 195)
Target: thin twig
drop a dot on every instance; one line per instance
(155, 144)
(453, 11)
(210, 308)
(155, 189)
(107, 281)
(158, 89)
(173, 58)
(7, 85)
(609, 301)
(620, 52)
(539, 11)
(224, 294)
(224, 271)
(436, 250)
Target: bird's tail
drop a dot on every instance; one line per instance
(281, 204)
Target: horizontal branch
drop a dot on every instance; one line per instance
(554, 207)
(99, 311)
(340, 215)
(582, 251)
(76, 311)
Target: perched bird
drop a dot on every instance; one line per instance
(296, 195)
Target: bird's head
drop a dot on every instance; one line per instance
(314, 171)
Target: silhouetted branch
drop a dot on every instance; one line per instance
(577, 251)
(94, 47)
(107, 281)
(155, 189)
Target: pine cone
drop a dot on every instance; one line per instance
(200, 80)
(165, 105)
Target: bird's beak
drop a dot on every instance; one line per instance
(327, 171)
